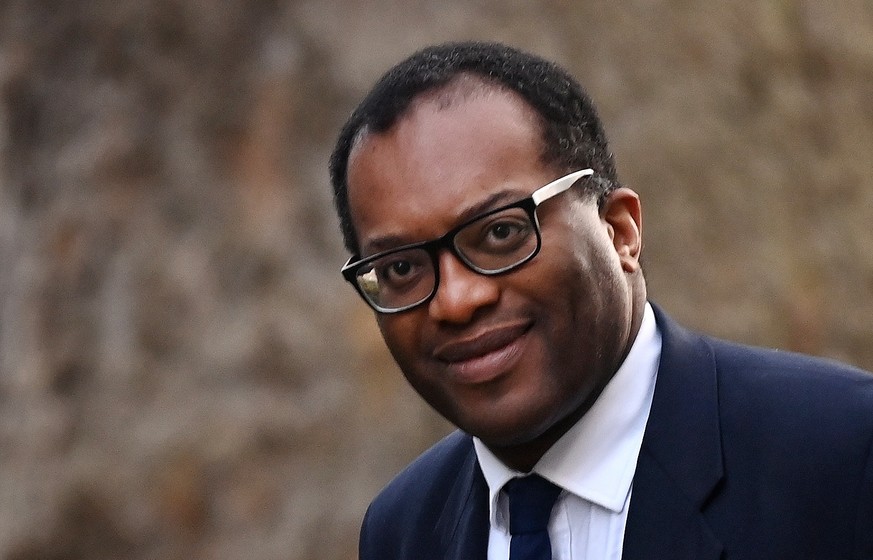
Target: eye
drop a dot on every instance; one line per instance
(501, 231)
(503, 235)
(394, 271)
(399, 269)
(402, 270)
(506, 234)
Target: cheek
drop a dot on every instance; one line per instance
(393, 331)
(596, 266)
(402, 335)
(571, 275)
(585, 298)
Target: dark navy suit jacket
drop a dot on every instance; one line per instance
(748, 454)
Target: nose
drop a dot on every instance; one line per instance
(461, 292)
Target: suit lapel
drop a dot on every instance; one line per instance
(680, 461)
(462, 528)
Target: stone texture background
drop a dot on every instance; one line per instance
(183, 374)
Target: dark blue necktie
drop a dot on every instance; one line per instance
(530, 505)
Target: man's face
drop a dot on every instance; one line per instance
(503, 357)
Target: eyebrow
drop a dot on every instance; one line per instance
(495, 200)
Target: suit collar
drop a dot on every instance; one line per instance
(683, 432)
(463, 526)
(681, 458)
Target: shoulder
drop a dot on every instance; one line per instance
(767, 377)
(431, 474)
(790, 408)
(794, 435)
(765, 400)
(400, 521)
(803, 427)
(781, 407)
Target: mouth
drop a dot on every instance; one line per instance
(484, 356)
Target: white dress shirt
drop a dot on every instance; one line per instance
(593, 462)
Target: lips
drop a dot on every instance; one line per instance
(485, 355)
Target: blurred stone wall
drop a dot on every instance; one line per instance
(183, 373)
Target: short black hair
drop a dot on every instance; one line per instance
(573, 136)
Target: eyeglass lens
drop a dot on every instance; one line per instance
(491, 244)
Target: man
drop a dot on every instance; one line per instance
(501, 256)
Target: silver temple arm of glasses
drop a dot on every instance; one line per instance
(559, 185)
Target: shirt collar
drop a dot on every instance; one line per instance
(596, 458)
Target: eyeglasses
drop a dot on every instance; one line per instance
(492, 243)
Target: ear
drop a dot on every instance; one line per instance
(622, 213)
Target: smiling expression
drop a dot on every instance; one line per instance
(514, 358)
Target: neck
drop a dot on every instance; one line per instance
(523, 457)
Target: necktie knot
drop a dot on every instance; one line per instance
(531, 499)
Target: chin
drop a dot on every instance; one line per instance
(508, 432)
(505, 440)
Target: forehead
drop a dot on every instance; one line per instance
(438, 162)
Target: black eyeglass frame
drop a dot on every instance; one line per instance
(446, 241)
